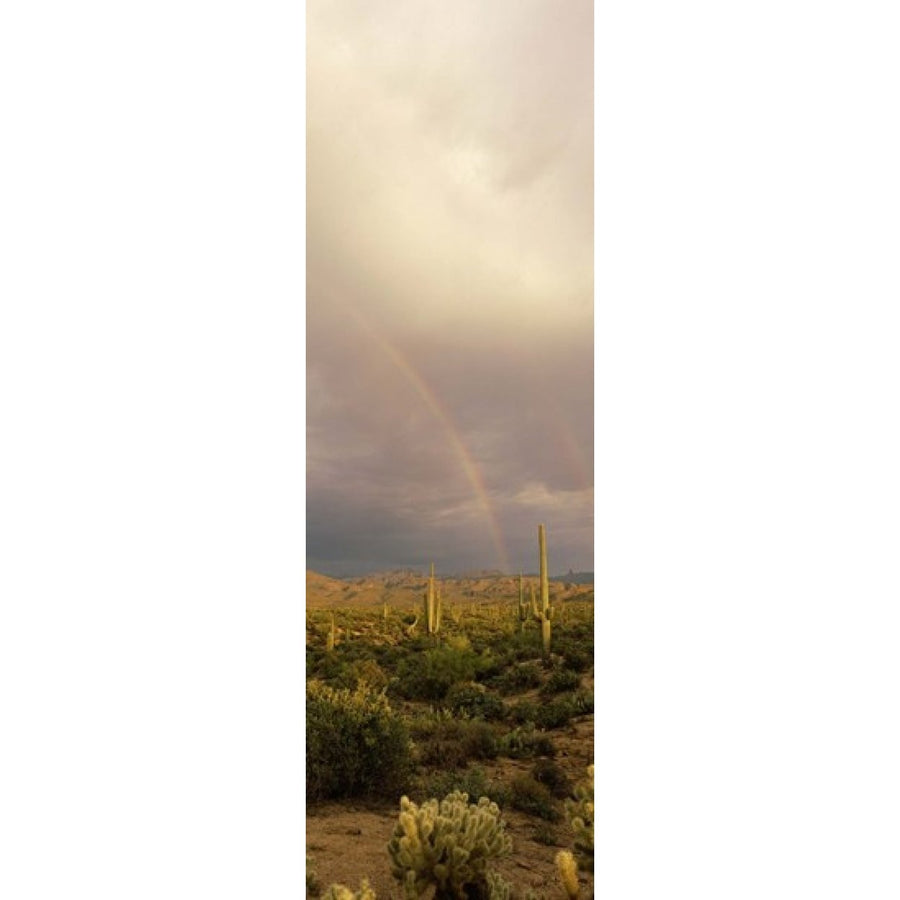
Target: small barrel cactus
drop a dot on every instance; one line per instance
(448, 844)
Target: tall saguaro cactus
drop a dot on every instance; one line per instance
(523, 604)
(544, 613)
(432, 606)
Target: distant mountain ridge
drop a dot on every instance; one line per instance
(405, 588)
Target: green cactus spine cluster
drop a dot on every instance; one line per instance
(544, 613)
(580, 813)
(432, 606)
(447, 844)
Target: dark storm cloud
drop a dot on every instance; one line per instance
(449, 296)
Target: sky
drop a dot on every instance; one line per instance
(449, 285)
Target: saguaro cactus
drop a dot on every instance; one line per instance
(432, 606)
(544, 613)
(330, 637)
(523, 604)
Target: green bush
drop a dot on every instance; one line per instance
(524, 712)
(429, 675)
(355, 744)
(520, 645)
(449, 742)
(524, 742)
(548, 773)
(560, 680)
(544, 833)
(533, 798)
(370, 672)
(519, 677)
(470, 781)
(559, 711)
(470, 699)
(583, 702)
(576, 658)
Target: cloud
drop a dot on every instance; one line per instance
(449, 263)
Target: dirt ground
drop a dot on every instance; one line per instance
(347, 841)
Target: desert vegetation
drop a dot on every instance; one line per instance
(475, 720)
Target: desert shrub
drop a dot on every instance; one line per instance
(560, 710)
(521, 645)
(429, 675)
(583, 702)
(524, 742)
(490, 666)
(544, 833)
(368, 671)
(533, 798)
(548, 773)
(559, 680)
(471, 699)
(446, 846)
(328, 667)
(447, 741)
(470, 781)
(523, 712)
(518, 677)
(355, 743)
(576, 658)
(458, 642)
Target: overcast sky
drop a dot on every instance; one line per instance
(450, 284)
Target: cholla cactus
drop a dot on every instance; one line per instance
(568, 873)
(447, 844)
(498, 888)
(580, 813)
(341, 892)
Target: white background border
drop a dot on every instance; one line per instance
(151, 462)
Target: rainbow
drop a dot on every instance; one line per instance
(434, 404)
